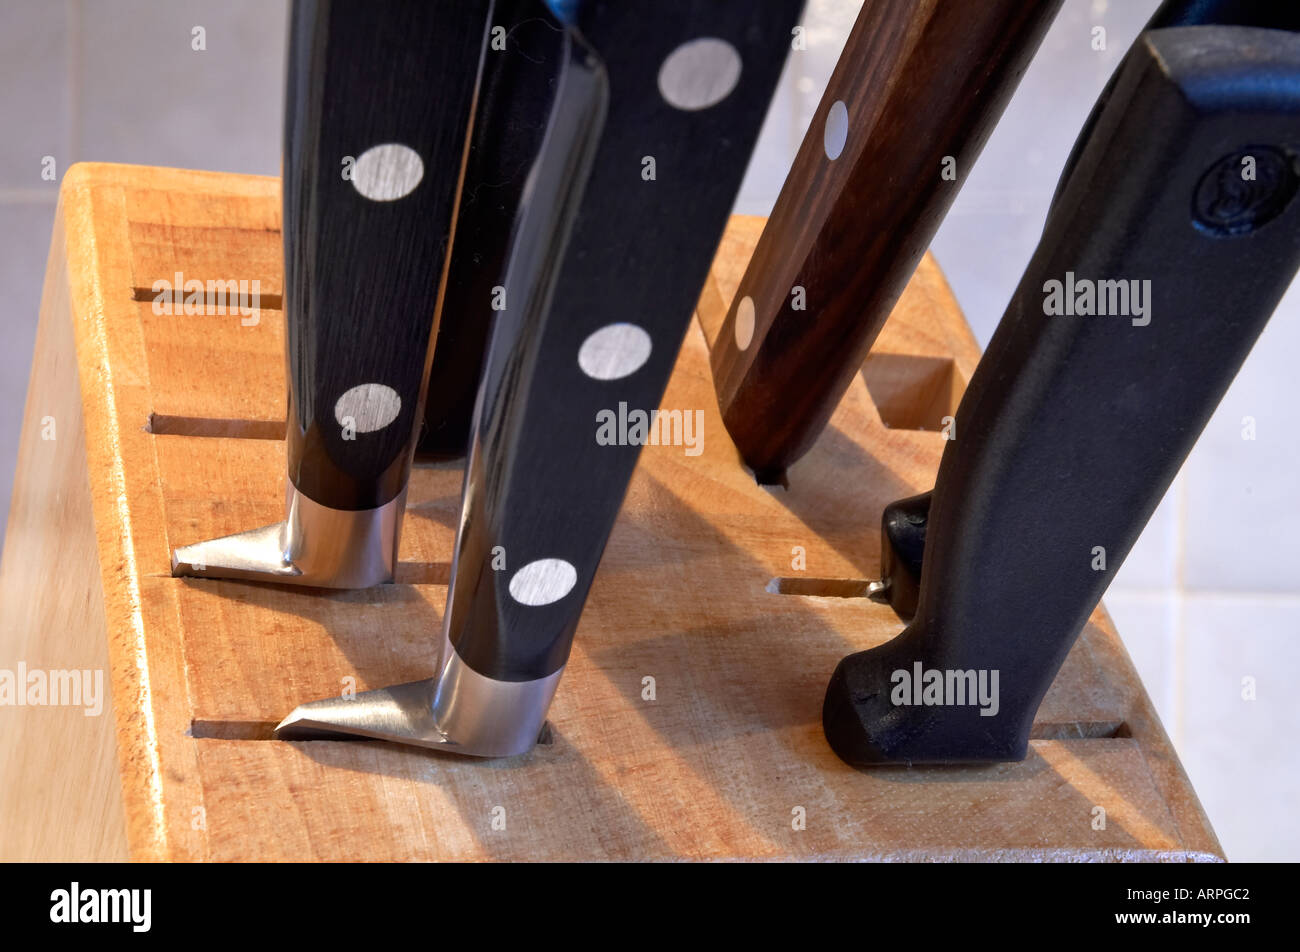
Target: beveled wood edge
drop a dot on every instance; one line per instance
(146, 656)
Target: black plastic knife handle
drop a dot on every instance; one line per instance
(1075, 424)
(378, 102)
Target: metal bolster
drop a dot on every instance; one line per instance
(314, 545)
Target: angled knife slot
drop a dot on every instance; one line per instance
(823, 587)
(232, 730)
(913, 392)
(1080, 730)
(163, 424)
(215, 300)
(422, 573)
(204, 729)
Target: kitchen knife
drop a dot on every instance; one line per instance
(593, 323)
(915, 94)
(903, 523)
(514, 99)
(1169, 245)
(378, 102)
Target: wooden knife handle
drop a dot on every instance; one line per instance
(378, 101)
(920, 82)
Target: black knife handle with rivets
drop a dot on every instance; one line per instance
(379, 98)
(1164, 255)
(592, 329)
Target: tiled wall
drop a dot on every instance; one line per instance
(1209, 597)
(118, 81)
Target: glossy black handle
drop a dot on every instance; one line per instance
(378, 101)
(1075, 422)
(595, 326)
(516, 91)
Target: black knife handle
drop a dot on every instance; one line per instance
(1073, 425)
(514, 100)
(1268, 14)
(594, 326)
(378, 101)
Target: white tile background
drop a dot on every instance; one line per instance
(1210, 595)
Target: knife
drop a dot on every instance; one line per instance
(1171, 241)
(903, 523)
(658, 107)
(914, 96)
(378, 102)
(515, 94)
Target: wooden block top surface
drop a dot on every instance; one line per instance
(727, 755)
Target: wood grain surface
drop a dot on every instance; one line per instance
(720, 764)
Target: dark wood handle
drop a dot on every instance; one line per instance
(920, 82)
(378, 101)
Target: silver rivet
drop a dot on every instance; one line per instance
(543, 582)
(370, 406)
(744, 322)
(837, 129)
(385, 173)
(699, 73)
(614, 351)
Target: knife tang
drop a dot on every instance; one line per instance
(915, 94)
(1167, 249)
(378, 104)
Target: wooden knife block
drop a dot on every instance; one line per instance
(688, 724)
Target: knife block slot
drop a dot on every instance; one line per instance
(911, 391)
(163, 424)
(218, 298)
(820, 587)
(233, 730)
(265, 731)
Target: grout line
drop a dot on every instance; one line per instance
(1248, 594)
(1180, 611)
(1169, 651)
(74, 79)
